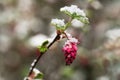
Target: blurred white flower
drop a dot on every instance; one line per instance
(103, 78)
(8, 16)
(58, 22)
(73, 9)
(22, 29)
(96, 4)
(25, 5)
(37, 40)
(113, 34)
(5, 42)
(76, 23)
(1, 78)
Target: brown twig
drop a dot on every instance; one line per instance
(41, 54)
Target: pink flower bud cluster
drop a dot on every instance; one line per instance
(70, 50)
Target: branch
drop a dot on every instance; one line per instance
(38, 58)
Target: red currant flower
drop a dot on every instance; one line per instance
(70, 50)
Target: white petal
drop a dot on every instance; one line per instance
(76, 23)
(73, 9)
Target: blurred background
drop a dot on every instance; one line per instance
(25, 24)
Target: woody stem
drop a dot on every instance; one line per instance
(41, 54)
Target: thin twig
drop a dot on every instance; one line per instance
(38, 58)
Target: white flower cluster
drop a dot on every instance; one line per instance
(77, 15)
(58, 22)
(73, 9)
